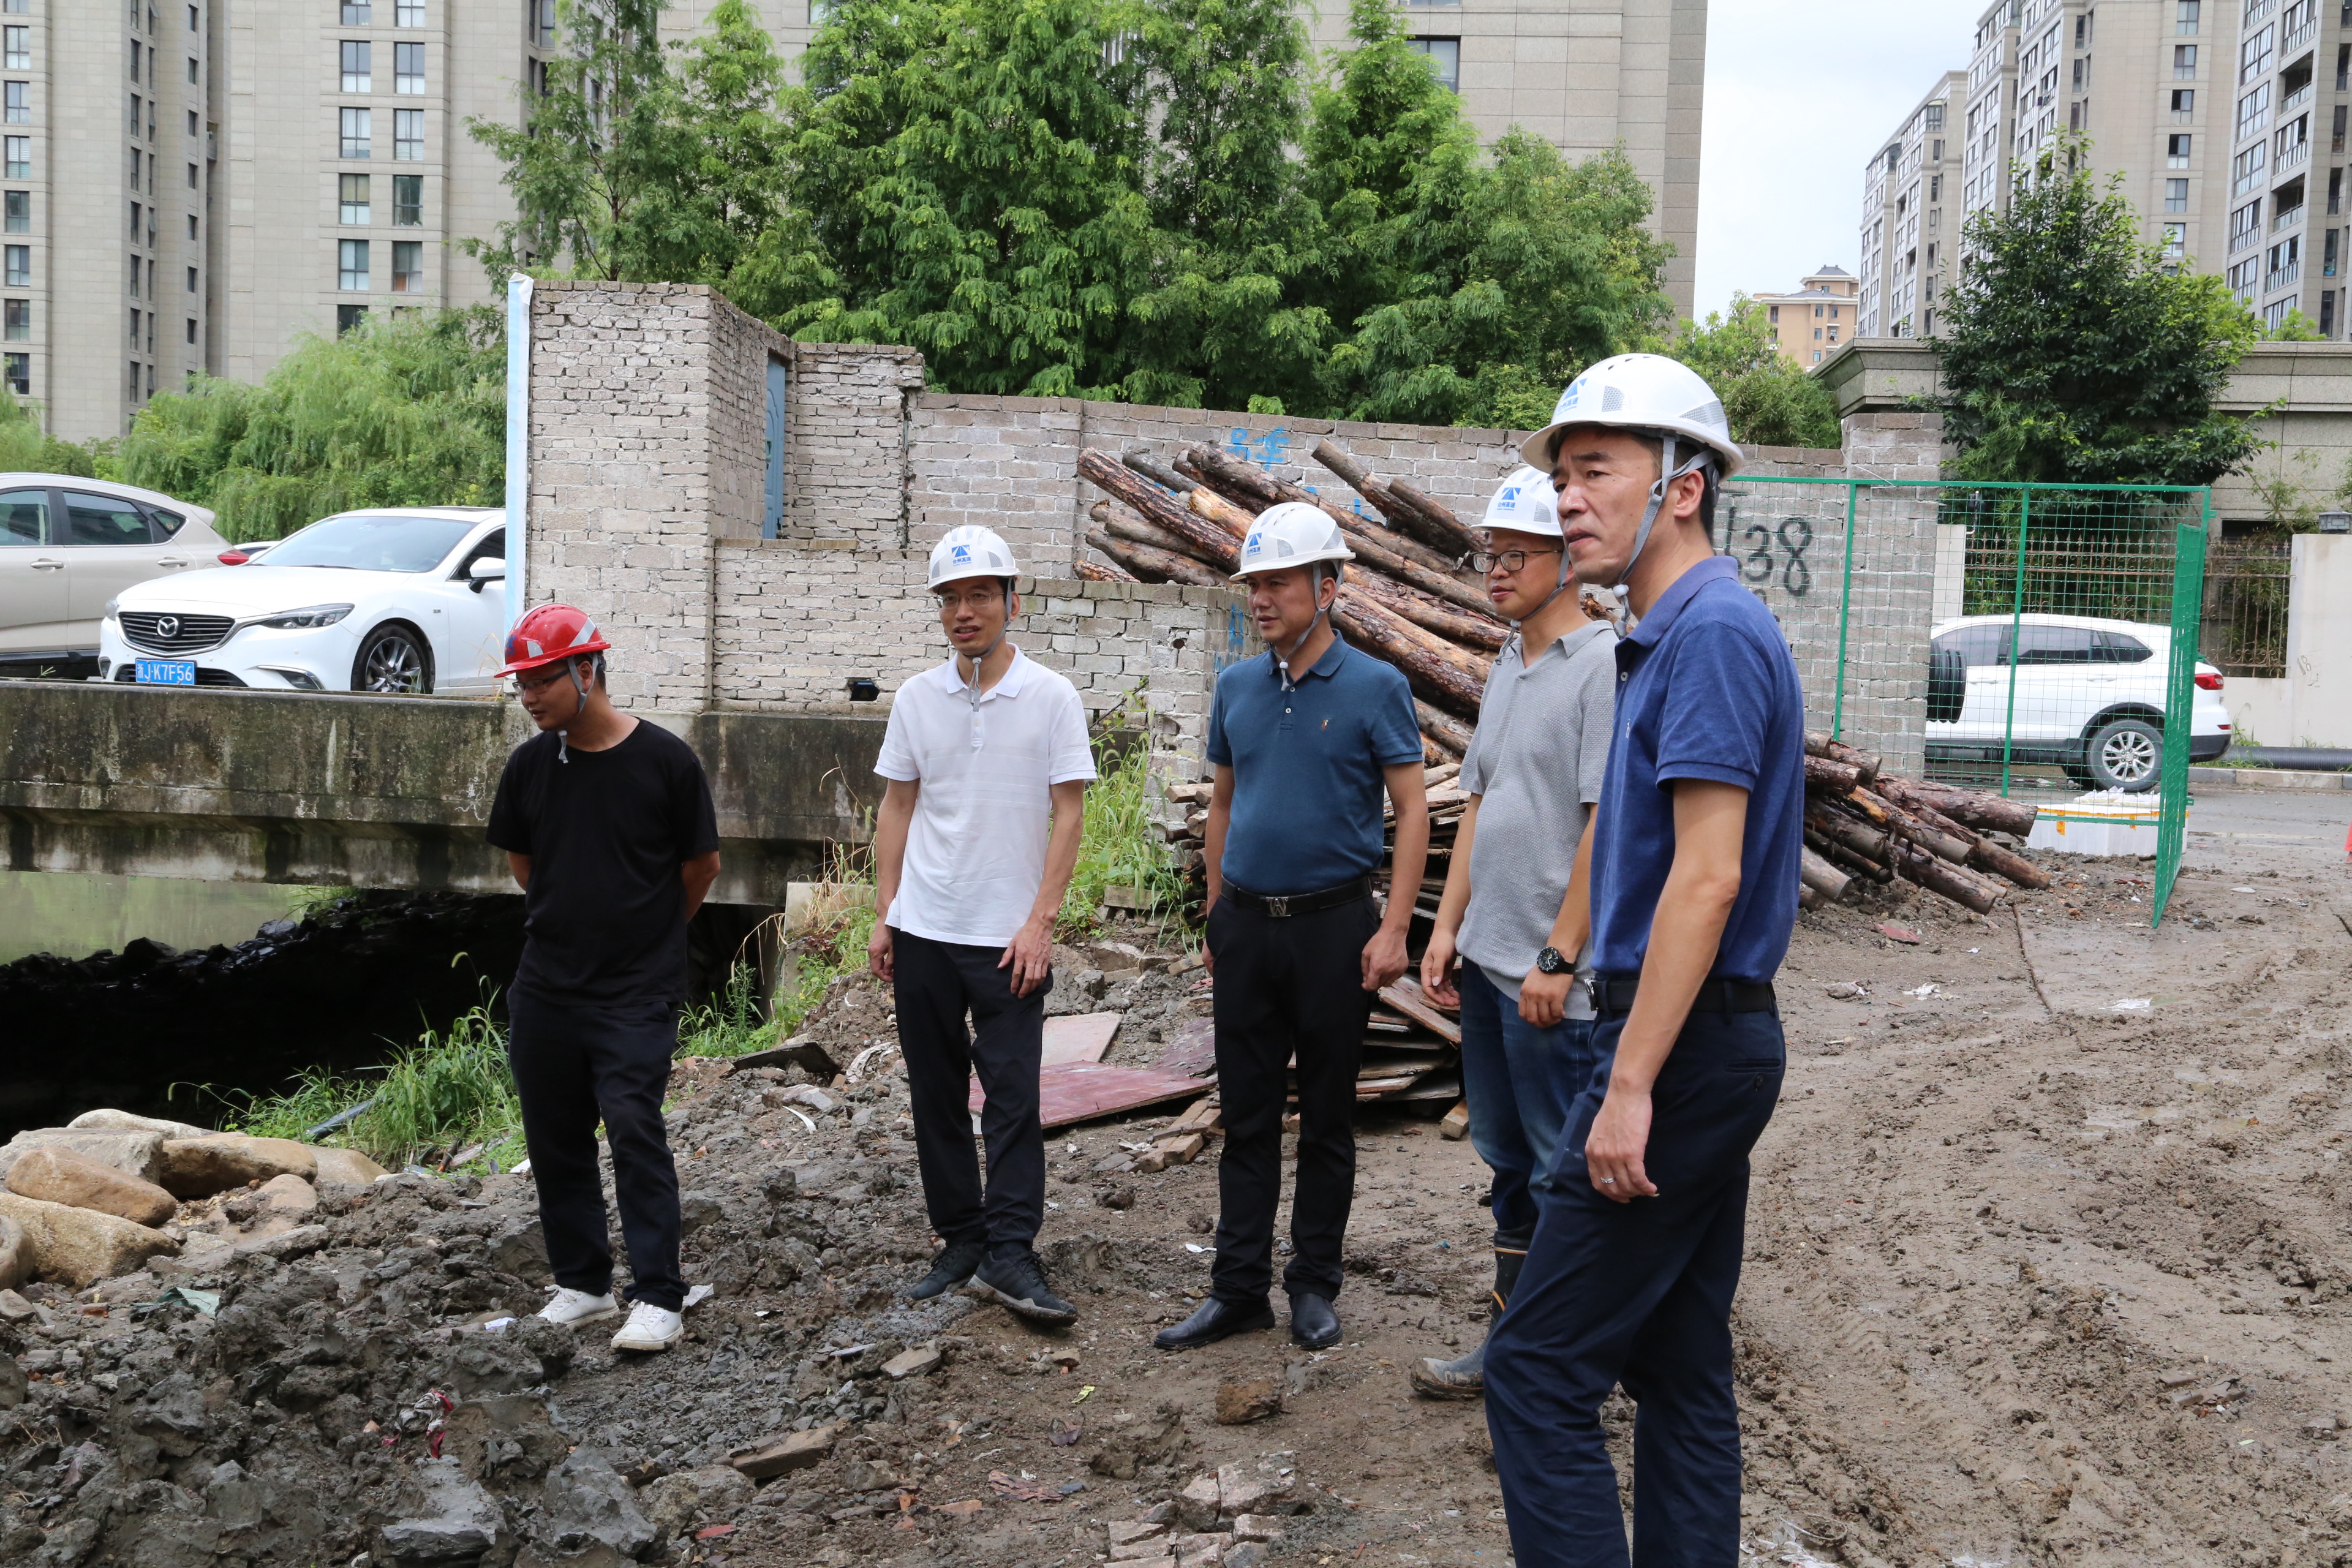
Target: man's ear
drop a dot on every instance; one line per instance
(1688, 492)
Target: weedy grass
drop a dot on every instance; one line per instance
(1122, 846)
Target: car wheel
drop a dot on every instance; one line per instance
(2125, 754)
(395, 660)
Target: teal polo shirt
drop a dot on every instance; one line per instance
(1307, 788)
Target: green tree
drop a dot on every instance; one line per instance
(2072, 353)
(26, 448)
(409, 412)
(2294, 327)
(1771, 400)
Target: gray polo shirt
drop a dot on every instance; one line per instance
(1537, 763)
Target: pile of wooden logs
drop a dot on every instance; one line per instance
(1408, 599)
(1863, 822)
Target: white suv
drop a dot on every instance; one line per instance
(67, 545)
(2088, 697)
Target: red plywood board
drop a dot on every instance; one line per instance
(1084, 1091)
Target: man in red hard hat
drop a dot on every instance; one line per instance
(607, 824)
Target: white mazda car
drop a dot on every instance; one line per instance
(390, 599)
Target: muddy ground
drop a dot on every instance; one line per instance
(2047, 1264)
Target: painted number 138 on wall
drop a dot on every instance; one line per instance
(1768, 549)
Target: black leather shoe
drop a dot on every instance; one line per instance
(1214, 1321)
(950, 1270)
(1313, 1323)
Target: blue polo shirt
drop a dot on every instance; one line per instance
(1307, 790)
(1706, 690)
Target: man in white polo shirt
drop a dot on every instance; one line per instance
(988, 764)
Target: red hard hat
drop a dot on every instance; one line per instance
(548, 633)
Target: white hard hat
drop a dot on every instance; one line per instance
(1644, 393)
(971, 550)
(1526, 503)
(1294, 533)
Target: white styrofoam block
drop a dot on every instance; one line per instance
(2105, 821)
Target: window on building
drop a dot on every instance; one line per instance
(15, 8)
(407, 267)
(359, 57)
(1833, 312)
(1817, 356)
(2184, 18)
(20, 320)
(1935, 117)
(1446, 55)
(135, 210)
(407, 201)
(18, 262)
(2176, 241)
(192, 280)
(192, 71)
(2327, 257)
(2184, 62)
(358, 133)
(134, 329)
(1834, 337)
(2327, 314)
(408, 67)
(358, 13)
(16, 48)
(134, 381)
(2253, 55)
(134, 57)
(2175, 152)
(351, 264)
(191, 329)
(193, 25)
(20, 375)
(352, 199)
(2176, 195)
(134, 278)
(2334, 191)
(134, 114)
(16, 157)
(410, 14)
(350, 318)
(1774, 315)
(191, 176)
(20, 100)
(2184, 104)
(408, 135)
(1817, 334)
(20, 212)
(2246, 169)
(192, 229)
(191, 122)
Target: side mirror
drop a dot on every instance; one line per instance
(488, 569)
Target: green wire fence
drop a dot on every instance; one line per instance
(2037, 640)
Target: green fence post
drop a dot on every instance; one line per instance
(2179, 694)
(2016, 619)
(1845, 610)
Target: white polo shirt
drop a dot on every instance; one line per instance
(976, 849)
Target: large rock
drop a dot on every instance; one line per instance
(16, 1255)
(62, 1176)
(80, 1246)
(586, 1504)
(137, 1152)
(692, 1499)
(442, 1516)
(346, 1165)
(124, 1121)
(199, 1167)
(287, 1195)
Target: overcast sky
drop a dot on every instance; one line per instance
(1799, 93)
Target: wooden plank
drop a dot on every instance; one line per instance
(1079, 1037)
(1193, 1052)
(1406, 997)
(1087, 1091)
(1455, 1125)
(1436, 1086)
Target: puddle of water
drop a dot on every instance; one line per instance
(74, 915)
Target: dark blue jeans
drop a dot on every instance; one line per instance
(1520, 1082)
(1638, 1294)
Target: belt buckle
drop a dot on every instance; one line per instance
(1278, 908)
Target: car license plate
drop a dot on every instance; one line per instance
(167, 672)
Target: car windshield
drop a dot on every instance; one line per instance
(367, 543)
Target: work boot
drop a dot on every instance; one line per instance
(570, 1306)
(1465, 1377)
(1012, 1275)
(951, 1270)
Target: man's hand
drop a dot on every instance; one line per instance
(1384, 959)
(1613, 1149)
(1031, 955)
(1543, 998)
(878, 951)
(1437, 970)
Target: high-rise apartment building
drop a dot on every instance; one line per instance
(106, 201)
(1823, 313)
(1585, 75)
(1910, 205)
(2224, 125)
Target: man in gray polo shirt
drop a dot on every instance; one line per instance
(1515, 912)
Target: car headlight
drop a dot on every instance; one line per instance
(315, 615)
(112, 605)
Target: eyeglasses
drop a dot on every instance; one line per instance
(1510, 560)
(559, 673)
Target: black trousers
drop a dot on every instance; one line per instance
(576, 1064)
(936, 984)
(1285, 986)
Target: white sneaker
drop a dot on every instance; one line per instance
(570, 1306)
(650, 1328)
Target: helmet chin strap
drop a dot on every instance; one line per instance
(563, 736)
(1281, 660)
(1668, 472)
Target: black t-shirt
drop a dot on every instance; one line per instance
(606, 833)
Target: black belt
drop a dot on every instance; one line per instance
(1291, 904)
(1613, 997)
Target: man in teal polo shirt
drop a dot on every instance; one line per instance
(1304, 743)
(1638, 1239)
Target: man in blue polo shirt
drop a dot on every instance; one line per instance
(1638, 1241)
(1304, 742)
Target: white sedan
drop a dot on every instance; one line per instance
(391, 599)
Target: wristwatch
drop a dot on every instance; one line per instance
(1550, 962)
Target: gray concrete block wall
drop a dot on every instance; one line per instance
(846, 468)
